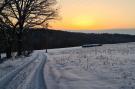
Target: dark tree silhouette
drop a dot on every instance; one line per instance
(18, 15)
(4, 28)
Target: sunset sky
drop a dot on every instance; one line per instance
(95, 14)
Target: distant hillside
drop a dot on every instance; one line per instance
(60, 39)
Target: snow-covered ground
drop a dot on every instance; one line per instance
(23, 73)
(110, 66)
(14, 63)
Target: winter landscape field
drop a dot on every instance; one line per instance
(67, 44)
(111, 66)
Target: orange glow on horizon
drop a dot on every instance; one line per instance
(95, 14)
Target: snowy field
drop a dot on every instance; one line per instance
(110, 66)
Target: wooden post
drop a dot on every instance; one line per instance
(0, 56)
(46, 27)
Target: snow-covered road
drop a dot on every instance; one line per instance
(27, 76)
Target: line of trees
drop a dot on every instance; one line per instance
(61, 39)
(17, 16)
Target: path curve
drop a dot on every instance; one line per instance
(29, 76)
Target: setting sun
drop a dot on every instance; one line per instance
(82, 21)
(95, 14)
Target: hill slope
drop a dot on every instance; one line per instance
(111, 66)
(41, 38)
(60, 39)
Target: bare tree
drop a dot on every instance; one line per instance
(18, 15)
(3, 30)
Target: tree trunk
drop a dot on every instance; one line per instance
(8, 52)
(19, 50)
(19, 45)
(8, 48)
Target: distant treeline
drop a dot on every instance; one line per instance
(42, 38)
(60, 39)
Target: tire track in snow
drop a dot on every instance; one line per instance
(30, 76)
(5, 80)
(37, 77)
